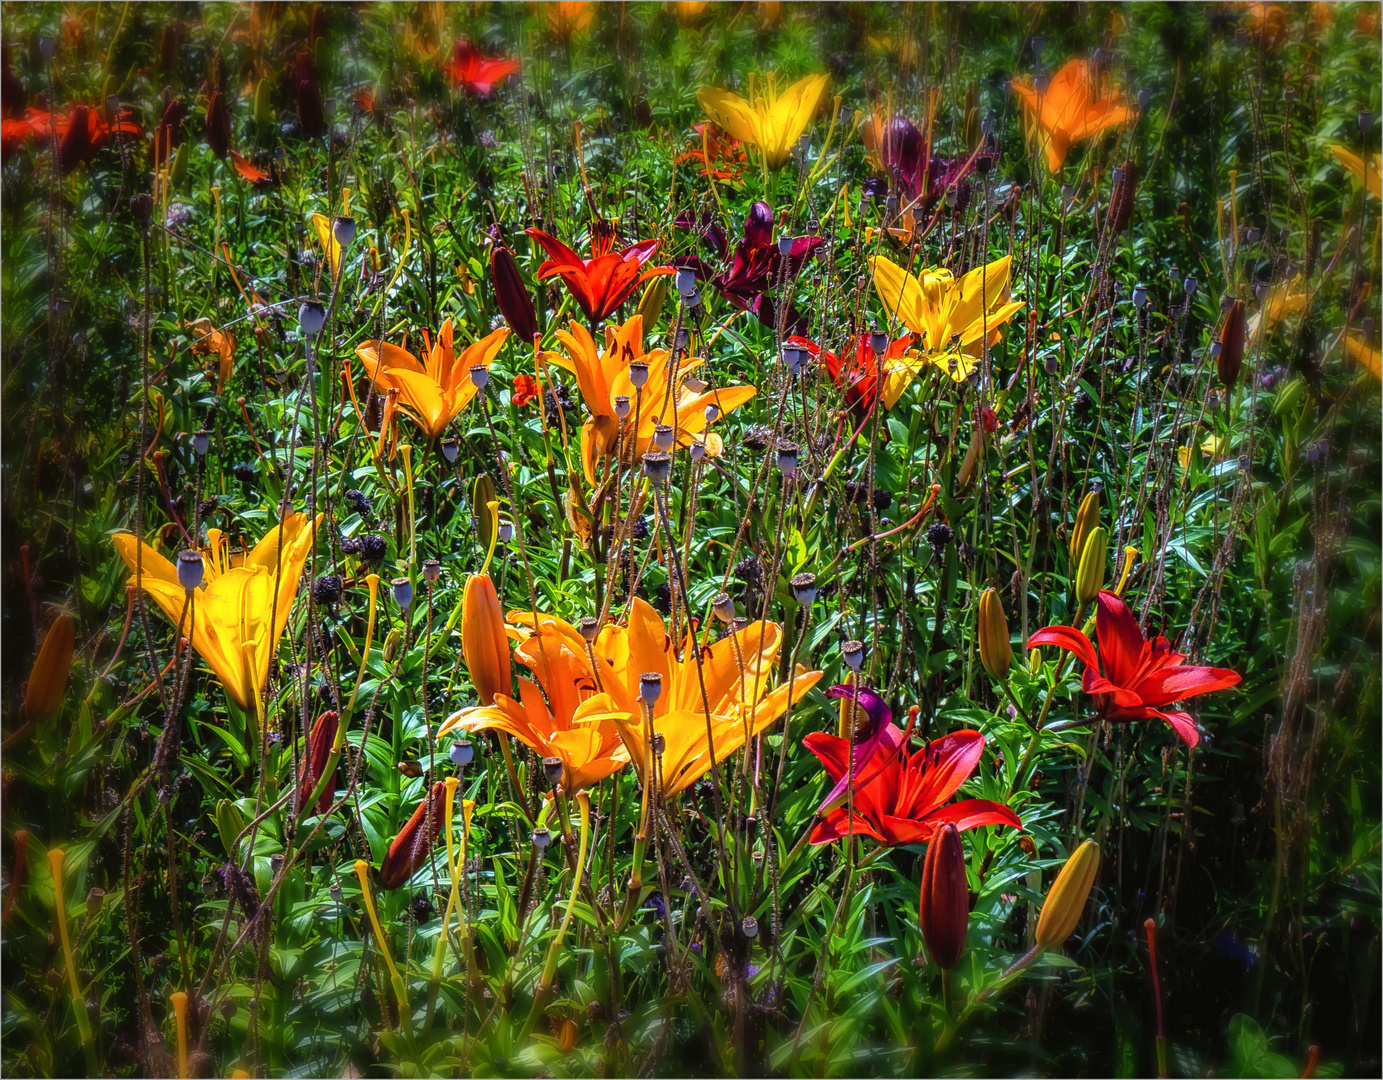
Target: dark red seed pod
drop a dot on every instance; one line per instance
(218, 125)
(1121, 201)
(1232, 336)
(319, 742)
(512, 294)
(944, 908)
(413, 844)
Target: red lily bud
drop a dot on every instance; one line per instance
(308, 94)
(76, 147)
(413, 844)
(167, 134)
(319, 742)
(514, 301)
(1231, 357)
(944, 909)
(1121, 201)
(218, 125)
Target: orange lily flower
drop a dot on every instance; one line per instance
(1366, 356)
(604, 376)
(599, 285)
(435, 394)
(1367, 173)
(575, 724)
(1074, 107)
(233, 606)
(741, 702)
(566, 17)
(475, 73)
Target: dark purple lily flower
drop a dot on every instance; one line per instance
(756, 266)
(904, 153)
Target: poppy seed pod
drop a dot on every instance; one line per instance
(712, 413)
(853, 654)
(48, 676)
(657, 466)
(589, 627)
(480, 376)
(803, 587)
(218, 125)
(432, 570)
(484, 643)
(403, 592)
(319, 743)
(142, 210)
(723, 606)
(944, 906)
(541, 838)
(190, 570)
(697, 449)
(650, 687)
(1065, 901)
(450, 448)
(787, 458)
(996, 652)
(621, 406)
(343, 231)
(462, 753)
(552, 769)
(662, 437)
(511, 294)
(638, 374)
(201, 442)
(311, 318)
(506, 531)
(686, 282)
(1090, 575)
(413, 844)
(1232, 335)
(1087, 517)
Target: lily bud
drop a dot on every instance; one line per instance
(484, 643)
(1065, 901)
(653, 299)
(413, 844)
(1232, 335)
(944, 907)
(1087, 517)
(218, 125)
(1034, 662)
(48, 677)
(512, 295)
(1121, 199)
(996, 651)
(263, 106)
(1090, 575)
(319, 743)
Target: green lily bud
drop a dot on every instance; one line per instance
(1090, 575)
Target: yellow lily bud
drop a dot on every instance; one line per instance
(391, 645)
(1087, 517)
(484, 643)
(178, 170)
(264, 108)
(1090, 576)
(654, 297)
(1130, 557)
(48, 677)
(1065, 901)
(1034, 661)
(996, 651)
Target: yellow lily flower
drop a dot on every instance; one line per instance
(321, 224)
(949, 315)
(1073, 108)
(432, 395)
(240, 609)
(1283, 301)
(1369, 173)
(575, 724)
(603, 376)
(1369, 358)
(771, 121)
(742, 703)
(1212, 448)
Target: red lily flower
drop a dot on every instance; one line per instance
(256, 176)
(1140, 677)
(475, 73)
(82, 133)
(720, 156)
(857, 374)
(599, 285)
(413, 844)
(900, 798)
(525, 390)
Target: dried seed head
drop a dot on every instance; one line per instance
(552, 769)
(480, 375)
(590, 627)
(311, 318)
(662, 437)
(403, 592)
(650, 687)
(803, 587)
(723, 607)
(657, 466)
(190, 570)
(450, 448)
(621, 406)
(201, 442)
(462, 753)
(432, 570)
(853, 654)
(638, 373)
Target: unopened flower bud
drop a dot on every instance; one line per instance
(1087, 517)
(1065, 901)
(996, 652)
(944, 906)
(1090, 575)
